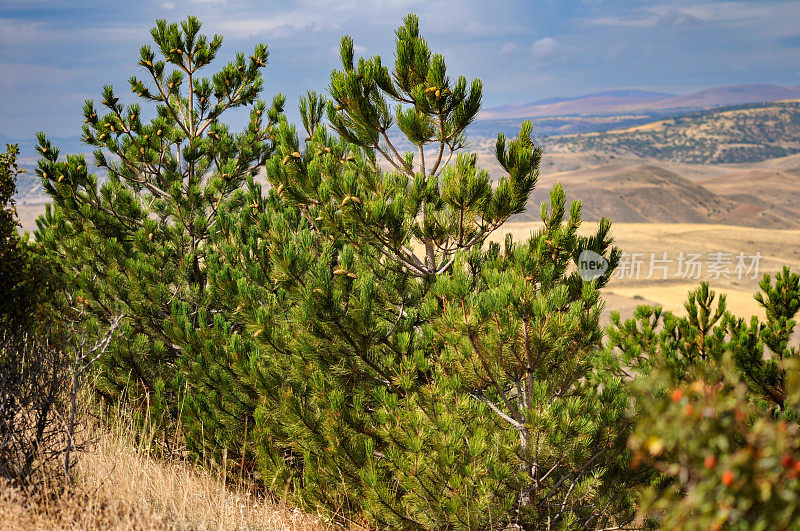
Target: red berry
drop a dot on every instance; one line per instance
(727, 478)
(677, 394)
(787, 461)
(709, 462)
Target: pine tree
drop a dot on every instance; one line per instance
(759, 350)
(419, 214)
(521, 335)
(763, 365)
(342, 274)
(134, 237)
(309, 333)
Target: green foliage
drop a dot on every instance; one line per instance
(520, 334)
(134, 241)
(26, 277)
(339, 285)
(724, 462)
(717, 409)
(10, 260)
(350, 337)
(8, 187)
(760, 351)
(423, 204)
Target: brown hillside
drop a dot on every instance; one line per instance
(634, 190)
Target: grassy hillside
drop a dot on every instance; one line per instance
(749, 133)
(118, 485)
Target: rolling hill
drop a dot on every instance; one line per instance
(750, 133)
(634, 190)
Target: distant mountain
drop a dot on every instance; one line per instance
(638, 101)
(539, 106)
(724, 96)
(745, 133)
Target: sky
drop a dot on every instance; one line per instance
(56, 54)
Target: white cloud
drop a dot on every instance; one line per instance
(544, 48)
(670, 15)
(734, 11)
(508, 48)
(272, 25)
(676, 17)
(14, 31)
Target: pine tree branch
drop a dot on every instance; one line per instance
(576, 474)
(422, 161)
(401, 256)
(541, 479)
(441, 144)
(167, 103)
(102, 345)
(566, 497)
(489, 375)
(408, 171)
(517, 426)
(529, 364)
(446, 266)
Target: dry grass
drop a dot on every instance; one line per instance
(777, 248)
(117, 485)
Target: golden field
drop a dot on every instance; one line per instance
(627, 289)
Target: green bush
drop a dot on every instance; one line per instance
(307, 334)
(342, 339)
(716, 409)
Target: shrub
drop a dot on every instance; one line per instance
(716, 409)
(347, 336)
(34, 392)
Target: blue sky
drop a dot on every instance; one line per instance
(55, 54)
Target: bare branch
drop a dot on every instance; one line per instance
(517, 426)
